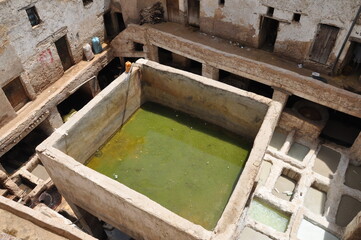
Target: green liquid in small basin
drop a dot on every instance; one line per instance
(268, 215)
(185, 164)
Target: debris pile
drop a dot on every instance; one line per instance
(153, 14)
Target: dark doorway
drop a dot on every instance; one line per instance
(113, 23)
(63, 49)
(195, 67)
(233, 80)
(341, 128)
(110, 72)
(173, 10)
(165, 57)
(260, 89)
(245, 84)
(74, 103)
(120, 20)
(110, 29)
(268, 34)
(16, 93)
(193, 12)
(18, 155)
(352, 62)
(177, 61)
(324, 42)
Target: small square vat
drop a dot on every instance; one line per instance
(269, 215)
(40, 172)
(353, 177)
(326, 162)
(25, 185)
(286, 184)
(278, 139)
(315, 200)
(249, 233)
(308, 231)
(264, 172)
(347, 210)
(298, 151)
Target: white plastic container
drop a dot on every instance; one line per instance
(89, 55)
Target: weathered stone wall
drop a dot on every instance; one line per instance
(32, 49)
(29, 51)
(241, 22)
(236, 21)
(38, 110)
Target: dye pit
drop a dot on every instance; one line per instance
(183, 163)
(268, 215)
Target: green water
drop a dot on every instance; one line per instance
(268, 215)
(183, 163)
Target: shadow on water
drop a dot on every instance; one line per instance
(197, 124)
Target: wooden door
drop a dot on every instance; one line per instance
(323, 43)
(64, 53)
(173, 10)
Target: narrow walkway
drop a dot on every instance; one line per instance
(252, 53)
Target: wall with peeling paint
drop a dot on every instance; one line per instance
(240, 21)
(31, 50)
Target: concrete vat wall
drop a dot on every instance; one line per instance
(115, 203)
(213, 101)
(102, 118)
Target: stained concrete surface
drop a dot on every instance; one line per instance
(347, 210)
(315, 200)
(284, 188)
(24, 229)
(4, 236)
(249, 233)
(40, 172)
(326, 162)
(298, 151)
(353, 177)
(264, 172)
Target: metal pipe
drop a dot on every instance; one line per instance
(347, 37)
